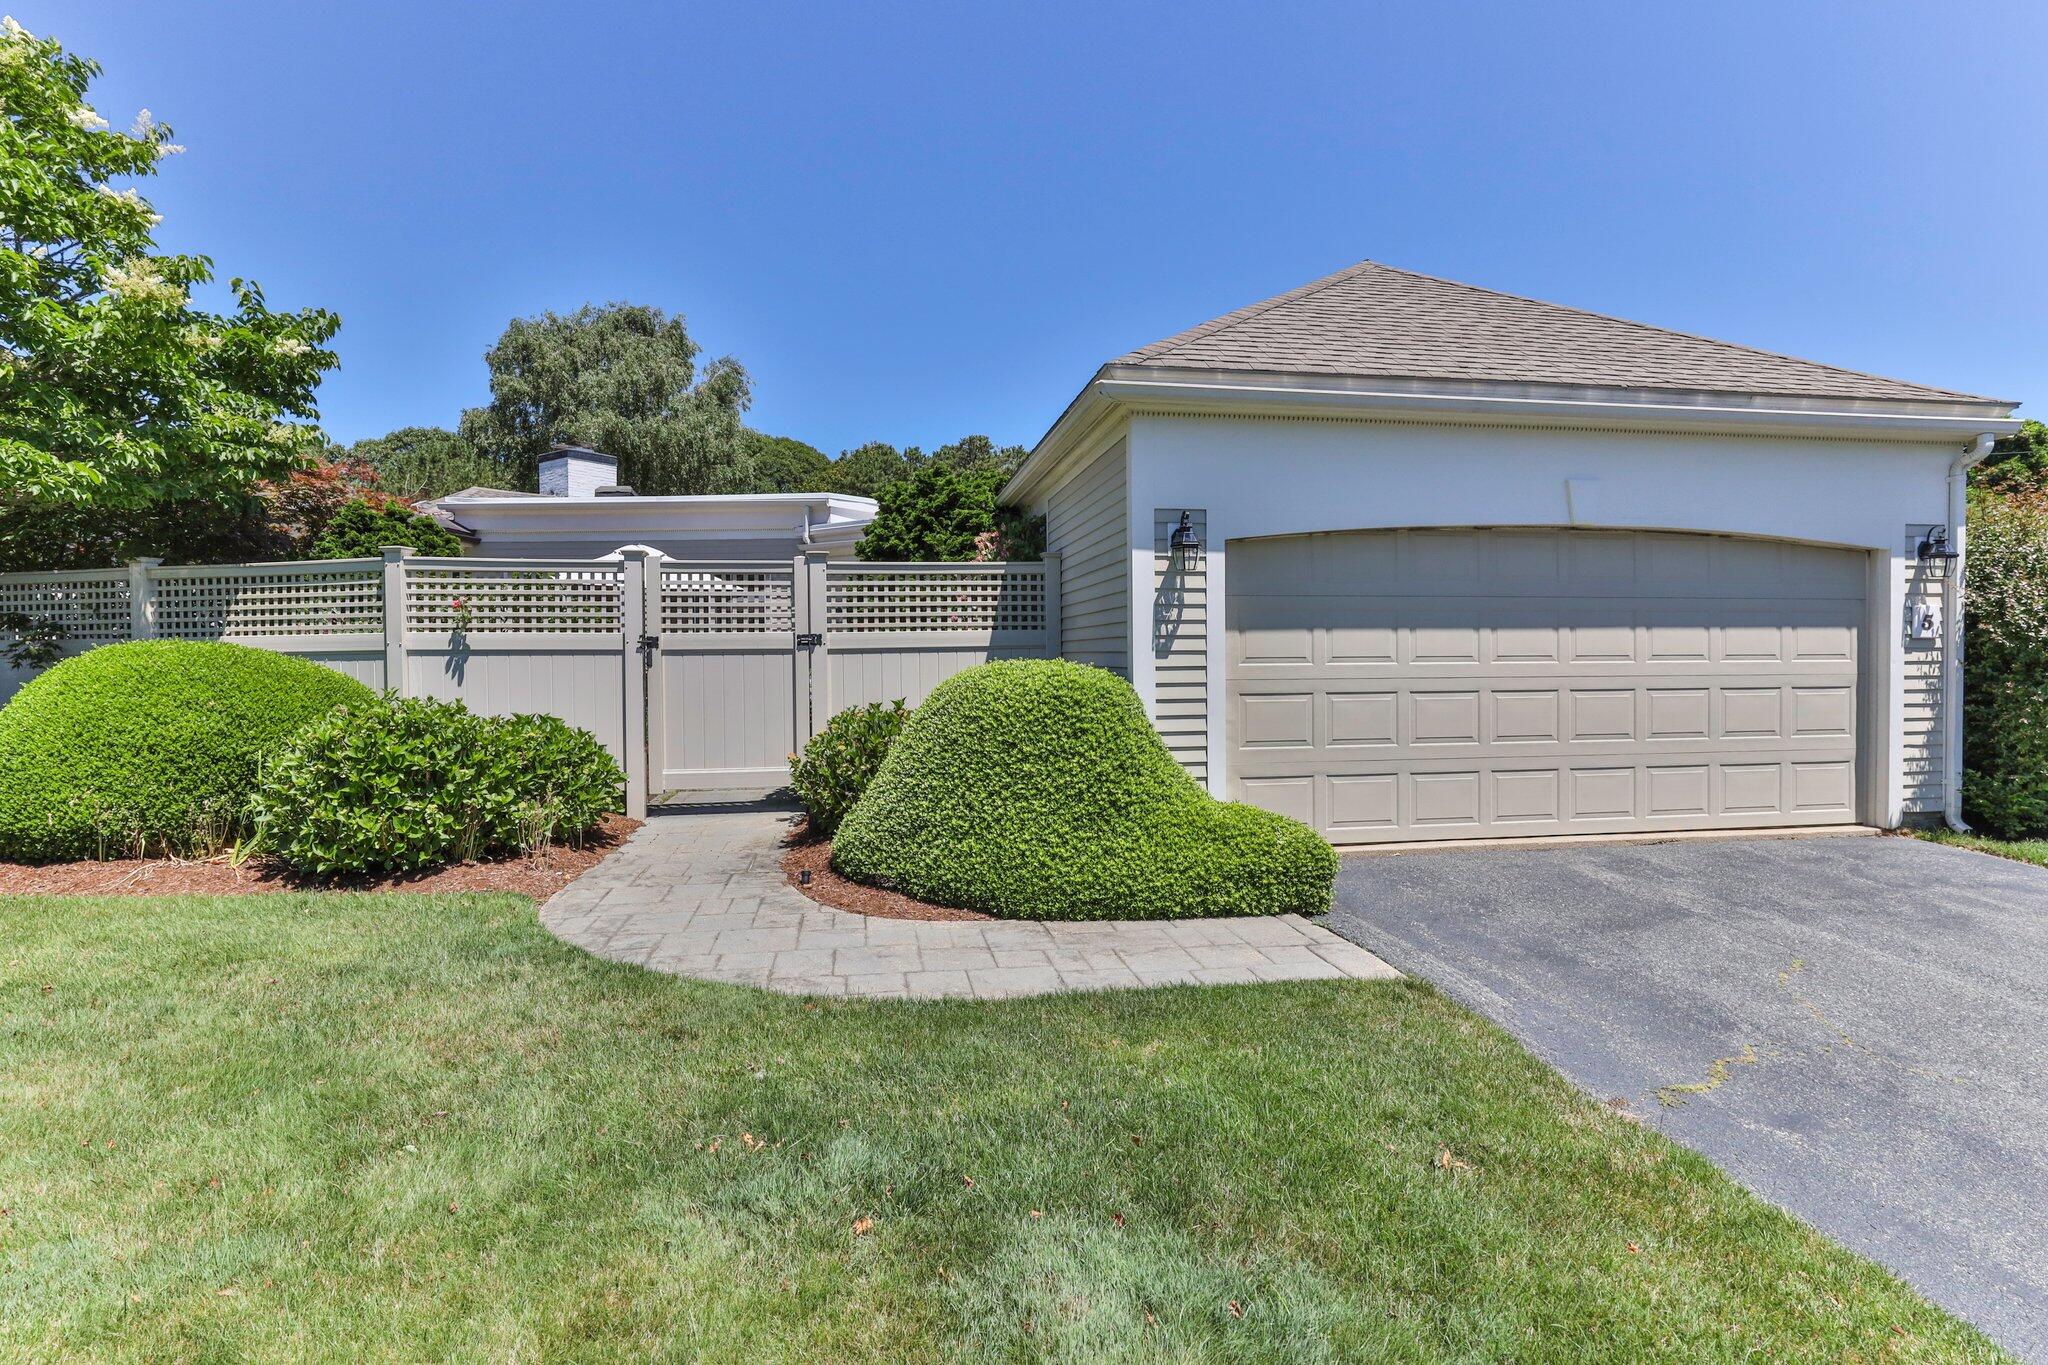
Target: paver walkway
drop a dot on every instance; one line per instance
(702, 894)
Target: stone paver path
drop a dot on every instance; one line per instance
(702, 894)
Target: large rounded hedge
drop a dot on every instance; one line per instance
(1037, 789)
(149, 747)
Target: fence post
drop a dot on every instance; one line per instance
(1052, 604)
(639, 621)
(394, 618)
(815, 669)
(142, 598)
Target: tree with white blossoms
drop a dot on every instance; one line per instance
(117, 393)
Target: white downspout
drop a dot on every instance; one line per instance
(1952, 617)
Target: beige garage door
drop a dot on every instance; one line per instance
(1399, 685)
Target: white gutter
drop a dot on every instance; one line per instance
(1952, 616)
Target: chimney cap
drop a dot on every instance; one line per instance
(581, 452)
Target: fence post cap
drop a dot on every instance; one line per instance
(397, 552)
(147, 562)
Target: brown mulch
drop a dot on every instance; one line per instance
(813, 855)
(538, 878)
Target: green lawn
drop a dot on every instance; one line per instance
(2022, 850)
(414, 1127)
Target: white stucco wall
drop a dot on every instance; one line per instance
(1262, 476)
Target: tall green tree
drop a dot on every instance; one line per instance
(623, 379)
(940, 514)
(783, 464)
(118, 394)
(979, 452)
(413, 463)
(866, 470)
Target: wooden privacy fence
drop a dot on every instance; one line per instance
(698, 676)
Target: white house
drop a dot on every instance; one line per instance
(581, 513)
(1469, 565)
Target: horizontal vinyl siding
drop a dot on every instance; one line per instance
(1180, 644)
(1086, 520)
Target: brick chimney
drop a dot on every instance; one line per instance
(574, 472)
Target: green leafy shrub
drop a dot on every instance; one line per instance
(150, 747)
(2005, 667)
(1038, 789)
(405, 785)
(839, 762)
(361, 531)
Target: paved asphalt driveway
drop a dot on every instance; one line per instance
(1875, 1011)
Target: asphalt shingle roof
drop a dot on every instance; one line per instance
(1375, 321)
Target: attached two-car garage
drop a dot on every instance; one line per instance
(1441, 684)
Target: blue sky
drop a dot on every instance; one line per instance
(914, 221)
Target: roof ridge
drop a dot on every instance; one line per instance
(1674, 332)
(1167, 345)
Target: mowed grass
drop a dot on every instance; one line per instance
(404, 1128)
(2021, 850)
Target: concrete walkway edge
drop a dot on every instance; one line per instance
(701, 894)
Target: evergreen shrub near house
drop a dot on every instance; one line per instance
(839, 762)
(150, 747)
(361, 530)
(2005, 667)
(406, 785)
(1037, 789)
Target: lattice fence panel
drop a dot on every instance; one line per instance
(92, 608)
(964, 597)
(559, 599)
(242, 602)
(752, 599)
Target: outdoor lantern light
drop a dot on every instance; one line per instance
(1184, 543)
(1934, 545)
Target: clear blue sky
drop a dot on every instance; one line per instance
(914, 221)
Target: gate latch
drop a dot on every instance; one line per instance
(809, 640)
(648, 644)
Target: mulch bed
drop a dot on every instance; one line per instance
(814, 855)
(538, 878)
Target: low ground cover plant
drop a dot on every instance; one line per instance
(2005, 667)
(150, 747)
(1038, 789)
(833, 770)
(408, 784)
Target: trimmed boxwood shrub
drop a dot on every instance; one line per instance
(1037, 789)
(2005, 666)
(839, 762)
(150, 747)
(408, 785)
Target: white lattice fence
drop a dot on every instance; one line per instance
(275, 601)
(527, 597)
(737, 598)
(90, 605)
(925, 598)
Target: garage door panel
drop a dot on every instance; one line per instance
(1468, 704)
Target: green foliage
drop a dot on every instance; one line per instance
(2017, 464)
(939, 514)
(2005, 667)
(971, 453)
(866, 470)
(149, 747)
(33, 642)
(783, 464)
(416, 463)
(405, 785)
(839, 762)
(1037, 789)
(622, 379)
(361, 529)
(116, 391)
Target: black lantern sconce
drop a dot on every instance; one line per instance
(1185, 544)
(1934, 545)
